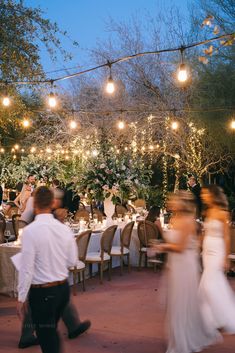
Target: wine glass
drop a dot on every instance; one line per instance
(7, 235)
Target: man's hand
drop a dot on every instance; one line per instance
(21, 310)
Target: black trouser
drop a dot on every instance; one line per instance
(70, 317)
(47, 305)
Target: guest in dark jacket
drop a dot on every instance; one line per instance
(195, 188)
(71, 199)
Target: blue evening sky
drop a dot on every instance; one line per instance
(85, 21)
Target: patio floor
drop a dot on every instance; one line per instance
(127, 316)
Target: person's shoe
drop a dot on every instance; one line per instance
(32, 342)
(83, 327)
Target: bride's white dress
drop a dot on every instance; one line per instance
(217, 299)
(186, 329)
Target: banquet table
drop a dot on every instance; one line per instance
(9, 275)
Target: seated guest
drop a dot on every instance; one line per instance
(71, 199)
(153, 216)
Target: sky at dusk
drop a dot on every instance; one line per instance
(85, 21)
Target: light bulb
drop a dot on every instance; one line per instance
(233, 125)
(6, 101)
(49, 150)
(2, 150)
(16, 147)
(26, 123)
(94, 153)
(182, 74)
(73, 124)
(151, 147)
(33, 149)
(110, 87)
(52, 102)
(174, 125)
(121, 124)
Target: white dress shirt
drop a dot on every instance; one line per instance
(48, 249)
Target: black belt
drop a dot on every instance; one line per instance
(49, 284)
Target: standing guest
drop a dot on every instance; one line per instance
(70, 315)
(217, 297)
(23, 197)
(48, 249)
(186, 330)
(195, 188)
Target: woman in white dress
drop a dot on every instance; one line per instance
(186, 330)
(216, 296)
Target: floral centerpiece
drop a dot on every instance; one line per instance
(120, 178)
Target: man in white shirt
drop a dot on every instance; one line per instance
(48, 250)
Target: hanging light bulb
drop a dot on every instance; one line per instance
(16, 147)
(73, 124)
(110, 86)
(95, 153)
(121, 125)
(33, 149)
(52, 101)
(2, 150)
(182, 72)
(233, 124)
(6, 101)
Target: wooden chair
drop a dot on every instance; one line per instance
(17, 224)
(82, 243)
(12, 211)
(103, 257)
(139, 203)
(99, 214)
(82, 214)
(2, 228)
(231, 256)
(147, 230)
(131, 209)
(123, 249)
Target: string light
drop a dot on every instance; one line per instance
(2, 150)
(233, 124)
(174, 125)
(6, 101)
(16, 147)
(52, 101)
(121, 124)
(95, 153)
(33, 149)
(73, 124)
(22, 150)
(182, 72)
(14, 157)
(110, 86)
(49, 150)
(26, 123)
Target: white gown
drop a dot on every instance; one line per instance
(217, 298)
(186, 330)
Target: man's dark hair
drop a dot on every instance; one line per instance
(56, 182)
(43, 197)
(30, 175)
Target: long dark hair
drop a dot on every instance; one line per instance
(154, 212)
(218, 195)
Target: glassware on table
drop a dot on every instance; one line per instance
(7, 235)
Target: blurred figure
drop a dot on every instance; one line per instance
(1, 194)
(186, 330)
(195, 188)
(217, 298)
(23, 197)
(71, 199)
(153, 216)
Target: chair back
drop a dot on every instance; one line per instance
(82, 214)
(81, 206)
(126, 235)
(119, 209)
(232, 239)
(107, 240)
(131, 209)
(2, 228)
(99, 214)
(140, 203)
(15, 224)
(82, 241)
(12, 211)
(147, 230)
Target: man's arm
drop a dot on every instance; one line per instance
(72, 252)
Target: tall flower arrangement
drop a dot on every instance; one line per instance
(119, 177)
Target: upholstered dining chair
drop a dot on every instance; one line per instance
(2, 228)
(123, 249)
(13, 210)
(119, 209)
(17, 224)
(146, 231)
(103, 256)
(82, 241)
(82, 214)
